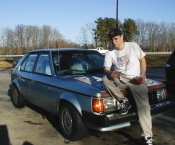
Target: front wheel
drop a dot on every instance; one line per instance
(72, 126)
(16, 98)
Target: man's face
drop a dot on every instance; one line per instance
(117, 40)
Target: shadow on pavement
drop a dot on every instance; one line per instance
(4, 137)
(131, 140)
(170, 113)
(27, 143)
(53, 120)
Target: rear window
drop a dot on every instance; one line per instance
(28, 64)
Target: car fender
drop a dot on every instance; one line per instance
(15, 83)
(72, 100)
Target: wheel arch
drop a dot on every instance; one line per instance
(71, 99)
(16, 84)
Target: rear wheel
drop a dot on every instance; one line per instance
(72, 126)
(16, 98)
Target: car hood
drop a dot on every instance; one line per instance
(87, 84)
(93, 80)
(90, 85)
(96, 80)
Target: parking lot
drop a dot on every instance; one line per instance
(33, 126)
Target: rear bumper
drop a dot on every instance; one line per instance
(114, 121)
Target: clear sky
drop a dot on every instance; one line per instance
(69, 16)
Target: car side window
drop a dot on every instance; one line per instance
(43, 64)
(23, 65)
(28, 64)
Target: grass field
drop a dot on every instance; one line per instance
(156, 60)
(153, 60)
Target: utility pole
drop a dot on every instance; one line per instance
(117, 14)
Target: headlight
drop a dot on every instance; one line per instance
(101, 105)
(109, 103)
(161, 94)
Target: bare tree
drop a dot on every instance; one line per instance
(10, 41)
(35, 37)
(171, 37)
(20, 37)
(45, 36)
(54, 39)
(28, 37)
(93, 36)
(142, 37)
(152, 30)
(163, 36)
(83, 39)
(2, 41)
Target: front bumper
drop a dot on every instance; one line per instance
(114, 121)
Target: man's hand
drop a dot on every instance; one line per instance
(115, 74)
(140, 79)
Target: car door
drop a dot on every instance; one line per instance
(24, 74)
(41, 82)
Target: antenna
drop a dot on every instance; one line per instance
(117, 14)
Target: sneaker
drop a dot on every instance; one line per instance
(147, 140)
(124, 106)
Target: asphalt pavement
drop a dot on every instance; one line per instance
(33, 126)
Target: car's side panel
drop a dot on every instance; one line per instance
(41, 90)
(79, 101)
(24, 82)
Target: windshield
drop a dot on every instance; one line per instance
(77, 62)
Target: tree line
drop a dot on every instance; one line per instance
(25, 37)
(149, 35)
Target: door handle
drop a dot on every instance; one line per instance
(21, 79)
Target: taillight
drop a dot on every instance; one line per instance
(98, 105)
(166, 93)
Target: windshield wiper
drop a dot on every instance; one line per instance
(97, 70)
(77, 70)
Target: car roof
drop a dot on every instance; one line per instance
(61, 49)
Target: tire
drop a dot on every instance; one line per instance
(72, 126)
(16, 98)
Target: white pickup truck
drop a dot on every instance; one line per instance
(101, 50)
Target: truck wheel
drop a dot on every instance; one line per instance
(72, 126)
(16, 98)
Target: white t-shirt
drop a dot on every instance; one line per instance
(125, 61)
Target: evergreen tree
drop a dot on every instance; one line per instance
(102, 28)
(129, 29)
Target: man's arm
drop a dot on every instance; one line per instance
(114, 74)
(107, 70)
(142, 68)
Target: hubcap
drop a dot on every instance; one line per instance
(67, 121)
